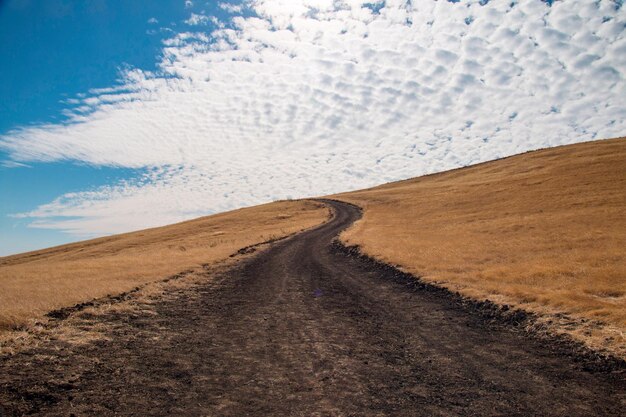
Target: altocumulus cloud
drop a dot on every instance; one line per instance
(298, 98)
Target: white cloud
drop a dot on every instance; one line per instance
(231, 8)
(153, 21)
(197, 19)
(313, 97)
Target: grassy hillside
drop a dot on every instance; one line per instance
(34, 283)
(544, 230)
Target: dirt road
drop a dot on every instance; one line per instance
(300, 330)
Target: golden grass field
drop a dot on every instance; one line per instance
(544, 230)
(34, 283)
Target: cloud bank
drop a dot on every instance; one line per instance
(304, 98)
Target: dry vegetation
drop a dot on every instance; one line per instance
(544, 230)
(34, 283)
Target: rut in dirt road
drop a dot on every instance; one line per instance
(299, 330)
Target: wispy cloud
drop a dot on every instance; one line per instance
(13, 164)
(197, 19)
(231, 8)
(312, 97)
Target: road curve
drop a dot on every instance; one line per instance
(299, 330)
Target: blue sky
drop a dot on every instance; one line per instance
(120, 115)
(56, 50)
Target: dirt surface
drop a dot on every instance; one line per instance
(302, 330)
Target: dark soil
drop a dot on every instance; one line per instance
(307, 329)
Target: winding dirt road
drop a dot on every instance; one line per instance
(300, 330)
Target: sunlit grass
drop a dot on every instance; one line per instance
(545, 230)
(34, 283)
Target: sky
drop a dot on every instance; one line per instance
(117, 115)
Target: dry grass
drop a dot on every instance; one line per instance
(80, 328)
(544, 230)
(34, 283)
